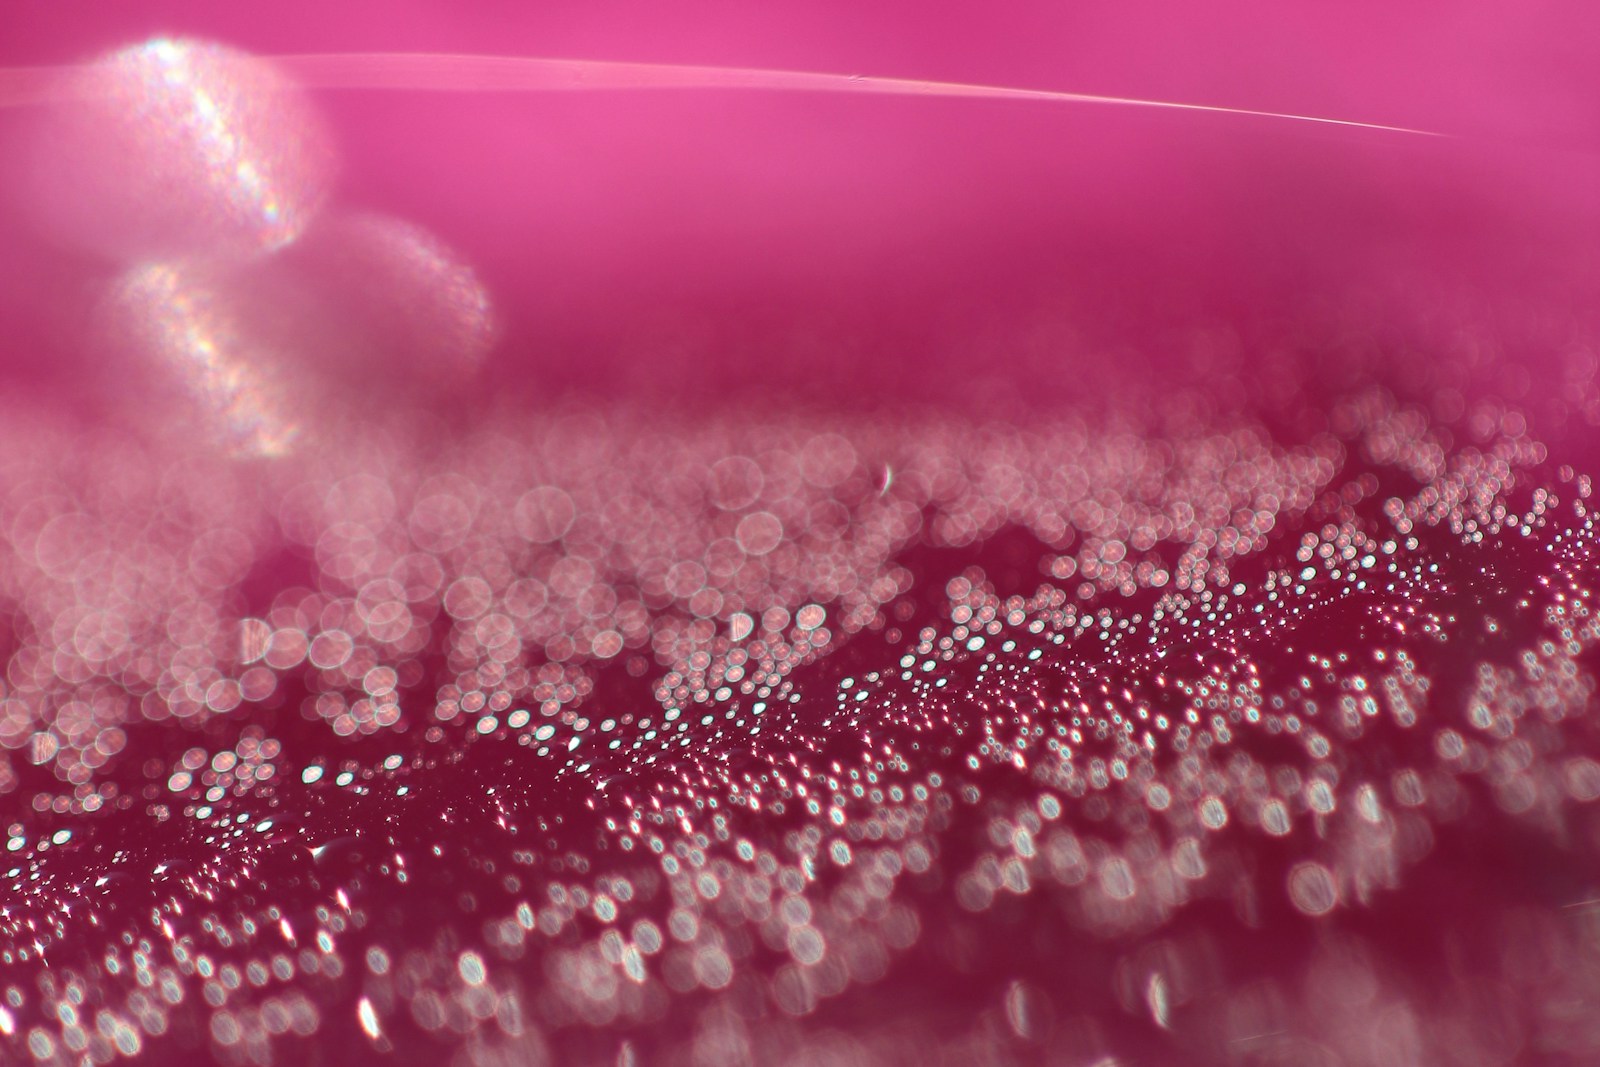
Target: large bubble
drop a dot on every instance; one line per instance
(214, 378)
(177, 147)
(379, 299)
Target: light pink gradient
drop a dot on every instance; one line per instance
(706, 244)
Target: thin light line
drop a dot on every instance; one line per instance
(440, 72)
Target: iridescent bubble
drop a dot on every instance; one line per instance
(189, 328)
(368, 1017)
(178, 147)
(1582, 777)
(470, 966)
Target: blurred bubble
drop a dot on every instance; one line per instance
(1312, 888)
(1028, 1011)
(368, 1017)
(760, 533)
(470, 966)
(178, 147)
(266, 347)
(188, 328)
(379, 296)
(365, 303)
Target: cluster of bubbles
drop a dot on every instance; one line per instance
(712, 563)
(204, 176)
(690, 740)
(617, 737)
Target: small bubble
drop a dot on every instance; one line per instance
(1582, 776)
(759, 533)
(470, 966)
(368, 1018)
(1312, 888)
(806, 944)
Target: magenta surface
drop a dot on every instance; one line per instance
(714, 576)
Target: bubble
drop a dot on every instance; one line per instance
(544, 514)
(647, 935)
(368, 1018)
(1158, 1000)
(1368, 805)
(1583, 779)
(712, 967)
(810, 617)
(180, 148)
(330, 649)
(736, 483)
(214, 374)
(1409, 789)
(225, 1029)
(828, 459)
(470, 966)
(806, 944)
(759, 533)
(381, 303)
(1312, 888)
(1275, 817)
(1116, 879)
(467, 598)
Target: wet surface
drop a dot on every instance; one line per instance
(1151, 628)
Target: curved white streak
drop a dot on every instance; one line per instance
(442, 72)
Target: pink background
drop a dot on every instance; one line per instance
(698, 245)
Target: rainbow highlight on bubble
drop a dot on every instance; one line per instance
(181, 326)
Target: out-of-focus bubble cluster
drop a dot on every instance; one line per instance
(754, 737)
(178, 148)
